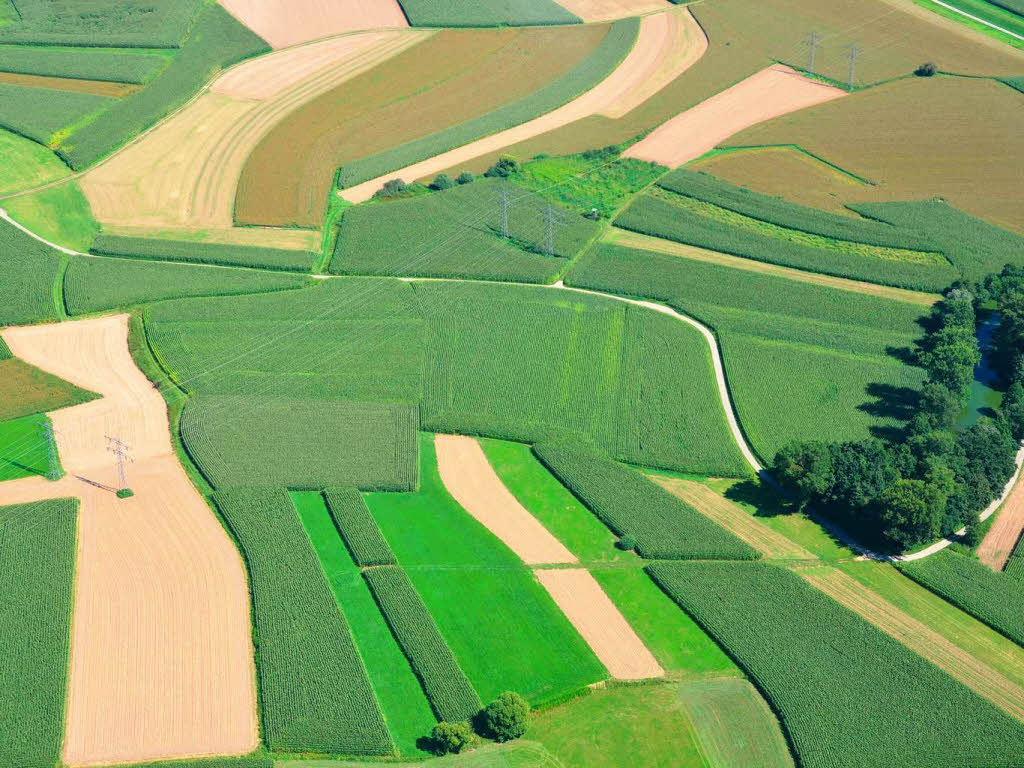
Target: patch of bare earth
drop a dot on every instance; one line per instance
(770, 93)
(284, 23)
(600, 623)
(921, 639)
(667, 45)
(997, 546)
(605, 10)
(161, 645)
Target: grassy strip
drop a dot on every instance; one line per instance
(40, 113)
(37, 549)
(204, 253)
(661, 525)
(314, 690)
(217, 41)
(30, 271)
(844, 690)
(652, 215)
(613, 49)
(358, 528)
(485, 13)
(93, 285)
(996, 599)
(449, 692)
(111, 66)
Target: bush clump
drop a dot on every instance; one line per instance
(466, 177)
(391, 188)
(507, 716)
(505, 167)
(926, 70)
(626, 544)
(450, 737)
(442, 182)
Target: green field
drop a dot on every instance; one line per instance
(461, 13)
(204, 253)
(131, 23)
(847, 693)
(61, 214)
(24, 451)
(24, 164)
(357, 528)
(37, 549)
(124, 66)
(30, 271)
(40, 113)
(26, 390)
(802, 361)
(314, 689)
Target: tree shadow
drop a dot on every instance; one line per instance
(896, 403)
(765, 498)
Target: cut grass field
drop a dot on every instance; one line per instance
(37, 549)
(24, 164)
(415, 94)
(60, 214)
(24, 449)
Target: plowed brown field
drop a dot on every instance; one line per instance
(289, 22)
(1002, 537)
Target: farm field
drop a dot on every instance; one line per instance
(284, 24)
(59, 213)
(26, 164)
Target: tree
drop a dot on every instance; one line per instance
(505, 167)
(507, 716)
(465, 178)
(940, 406)
(926, 70)
(442, 182)
(626, 543)
(1013, 410)
(861, 471)
(391, 188)
(910, 511)
(805, 468)
(450, 737)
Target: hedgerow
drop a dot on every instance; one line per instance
(997, 599)
(449, 692)
(30, 270)
(613, 49)
(659, 217)
(1017, 83)
(777, 210)
(485, 13)
(37, 549)
(217, 41)
(39, 113)
(204, 253)
(102, 23)
(302, 444)
(91, 285)
(848, 695)
(314, 689)
(114, 66)
(663, 526)
(358, 528)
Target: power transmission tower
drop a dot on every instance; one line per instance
(48, 433)
(552, 216)
(505, 202)
(119, 449)
(812, 42)
(854, 52)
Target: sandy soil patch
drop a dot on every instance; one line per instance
(599, 623)
(953, 660)
(671, 248)
(473, 483)
(668, 43)
(185, 172)
(283, 23)
(734, 519)
(604, 10)
(161, 649)
(771, 92)
(997, 546)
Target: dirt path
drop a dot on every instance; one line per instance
(161, 648)
(289, 22)
(630, 239)
(599, 622)
(734, 519)
(471, 480)
(667, 45)
(997, 546)
(771, 92)
(921, 639)
(606, 10)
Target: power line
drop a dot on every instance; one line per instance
(854, 52)
(504, 203)
(812, 41)
(47, 432)
(117, 447)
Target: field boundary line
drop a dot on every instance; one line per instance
(972, 17)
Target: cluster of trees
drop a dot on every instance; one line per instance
(503, 719)
(935, 477)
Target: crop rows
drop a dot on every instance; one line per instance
(446, 687)
(37, 549)
(204, 253)
(997, 599)
(656, 216)
(313, 686)
(30, 270)
(783, 213)
(217, 41)
(215, 762)
(663, 526)
(92, 285)
(126, 23)
(485, 13)
(302, 443)
(357, 527)
(5, 351)
(596, 67)
(40, 113)
(113, 66)
(848, 694)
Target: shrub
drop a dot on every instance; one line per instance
(466, 177)
(442, 182)
(450, 737)
(505, 167)
(391, 188)
(626, 544)
(926, 70)
(507, 716)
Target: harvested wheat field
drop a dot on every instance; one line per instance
(920, 638)
(774, 91)
(734, 519)
(605, 10)
(185, 172)
(473, 483)
(599, 622)
(1002, 537)
(667, 45)
(161, 648)
(284, 23)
